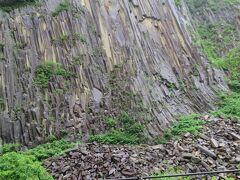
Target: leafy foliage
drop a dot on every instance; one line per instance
(208, 37)
(123, 130)
(9, 148)
(46, 71)
(232, 64)
(190, 123)
(26, 165)
(15, 166)
(229, 105)
(54, 148)
(221, 44)
(63, 6)
(178, 2)
(9, 5)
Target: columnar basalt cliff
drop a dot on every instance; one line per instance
(131, 55)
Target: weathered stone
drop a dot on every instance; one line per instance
(214, 143)
(235, 136)
(207, 151)
(116, 161)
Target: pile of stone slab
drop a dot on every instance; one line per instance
(217, 147)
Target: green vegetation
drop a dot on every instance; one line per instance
(9, 148)
(15, 166)
(229, 105)
(190, 123)
(63, 6)
(26, 165)
(48, 70)
(221, 45)
(79, 36)
(122, 130)
(208, 37)
(231, 63)
(214, 5)
(55, 148)
(1, 101)
(178, 2)
(9, 5)
(171, 171)
(98, 52)
(175, 170)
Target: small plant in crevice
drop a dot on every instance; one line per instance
(98, 52)
(178, 2)
(1, 46)
(46, 71)
(79, 36)
(78, 59)
(1, 101)
(121, 130)
(63, 6)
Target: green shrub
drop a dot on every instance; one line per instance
(54, 148)
(190, 123)
(110, 122)
(9, 5)
(9, 148)
(229, 105)
(232, 64)
(123, 130)
(63, 6)
(15, 166)
(46, 71)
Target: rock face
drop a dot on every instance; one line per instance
(123, 55)
(192, 154)
(220, 17)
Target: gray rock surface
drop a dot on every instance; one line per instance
(124, 55)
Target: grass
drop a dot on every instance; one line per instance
(16, 166)
(122, 130)
(229, 106)
(63, 6)
(186, 124)
(48, 70)
(51, 149)
(26, 165)
(215, 38)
